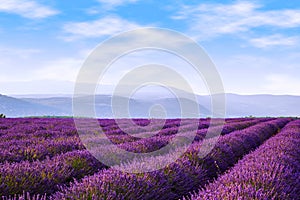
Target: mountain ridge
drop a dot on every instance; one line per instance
(236, 105)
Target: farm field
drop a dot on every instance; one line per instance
(254, 158)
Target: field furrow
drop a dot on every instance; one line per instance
(270, 172)
(179, 178)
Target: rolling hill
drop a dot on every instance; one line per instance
(236, 105)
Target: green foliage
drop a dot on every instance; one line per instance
(2, 116)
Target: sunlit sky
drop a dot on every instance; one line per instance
(255, 45)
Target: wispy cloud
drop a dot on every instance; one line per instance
(27, 8)
(282, 84)
(113, 3)
(17, 64)
(102, 27)
(18, 52)
(211, 20)
(107, 6)
(13, 61)
(274, 40)
(64, 69)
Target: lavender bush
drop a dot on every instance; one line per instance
(45, 159)
(270, 172)
(177, 179)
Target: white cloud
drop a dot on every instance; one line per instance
(64, 69)
(26, 8)
(274, 40)
(21, 64)
(103, 27)
(13, 61)
(18, 52)
(210, 20)
(282, 84)
(36, 87)
(114, 3)
(108, 5)
(260, 74)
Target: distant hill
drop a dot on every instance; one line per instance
(139, 106)
(263, 105)
(13, 107)
(258, 105)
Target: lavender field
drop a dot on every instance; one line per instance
(254, 158)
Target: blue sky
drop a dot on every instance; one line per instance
(254, 44)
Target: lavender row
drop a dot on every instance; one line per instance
(132, 134)
(171, 131)
(37, 129)
(25, 196)
(20, 150)
(177, 179)
(31, 149)
(39, 148)
(228, 128)
(270, 172)
(239, 125)
(18, 134)
(34, 148)
(232, 147)
(156, 142)
(53, 128)
(229, 149)
(40, 127)
(44, 177)
(30, 125)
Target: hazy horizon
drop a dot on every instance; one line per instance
(71, 95)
